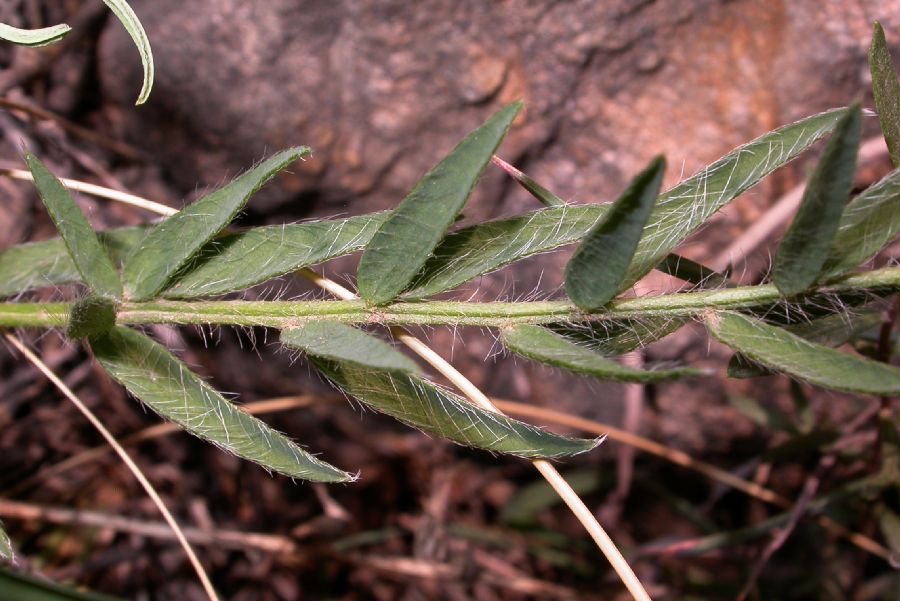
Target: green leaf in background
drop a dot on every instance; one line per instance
(805, 246)
(533, 498)
(343, 343)
(682, 209)
(614, 338)
(237, 261)
(542, 194)
(167, 386)
(133, 26)
(47, 263)
(868, 223)
(831, 330)
(886, 91)
(15, 586)
(692, 272)
(544, 346)
(594, 274)
(403, 243)
(34, 38)
(436, 411)
(172, 243)
(94, 265)
(790, 354)
(6, 550)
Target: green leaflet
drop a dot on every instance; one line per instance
(343, 343)
(434, 410)
(886, 91)
(785, 352)
(614, 338)
(869, 222)
(482, 248)
(34, 37)
(831, 330)
(91, 260)
(684, 208)
(542, 194)
(403, 243)
(694, 273)
(47, 263)
(133, 26)
(594, 274)
(173, 242)
(167, 386)
(804, 247)
(540, 344)
(238, 261)
(6, 550)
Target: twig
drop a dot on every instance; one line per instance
(120, 451)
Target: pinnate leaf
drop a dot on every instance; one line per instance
(403, 243)
(594, 274)
(34, 38)
(434, 410)
(89, 257)
(343, 343)
(129, 19)
(785, 352)
(805, 246)
(886, 91)
(170, 245)
(167, 386)
(544, 346)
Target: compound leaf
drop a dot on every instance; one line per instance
(169, 245)
(594, 274)
(34, 38)
(237, 261)
(544, 346)
(133, 26)
(340, 342)
(403, 243)
(788, 353)
(167, 386)
(805, 246)
(89, 257)
(434, 410)
(886, 91)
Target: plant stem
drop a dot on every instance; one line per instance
(283, 314)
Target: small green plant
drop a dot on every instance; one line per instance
(174, 272)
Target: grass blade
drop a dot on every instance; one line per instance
(614, 338)
(343, 343)
(6, 550)
(403, 243)
(237, 261)
(804, 247)
(594, 274)
(682, 209)
(34, 38)
(886, 91)
(133, 26)
(869, 222)
(89, 257)
(47, 263)
(544, 346)
(167, 386)
(785, 352)
(176, 240)
(436, 411)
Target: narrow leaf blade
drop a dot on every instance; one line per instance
(692, 272)
(89, 257)
(805, 246)
(237, 261)
(542, 194)
(176, 240)
(34, 38)
(129, 19)
(167, 386)
(340, 342)
(790, 354)
(6, 550)
(403, 243)
(886, 91)
(595, 273)
(434, 410)
(544, 346)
